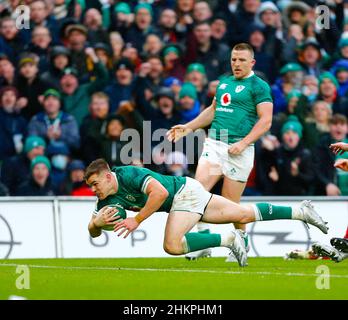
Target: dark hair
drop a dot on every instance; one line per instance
(338, 119)
(244, 46)
(96, 167)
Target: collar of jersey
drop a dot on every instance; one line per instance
(118, 186)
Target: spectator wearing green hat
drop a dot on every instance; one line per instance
(53, 124)
(39, 183)
(16, 169)
(174, 61)
(196, 74)
(288, 168)
(121, 18)
(188, 102)
(328, 88)
(142, 26)
(291, 76)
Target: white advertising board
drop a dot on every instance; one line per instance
(27, 230)
(58, 228)
(267, 238)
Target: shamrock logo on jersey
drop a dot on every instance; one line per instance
(225, 99)
(239, 89)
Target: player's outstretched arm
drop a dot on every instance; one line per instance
(339, 147)
(204, 119)
(157, 195)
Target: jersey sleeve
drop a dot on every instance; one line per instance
(262, 93)
(138, 179)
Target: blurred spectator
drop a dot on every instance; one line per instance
(16, 169)
(291, 78)
(241, 20)
(340, 71)
(40, 16)
(296, 13)
(150, 78)
(96, 32)
(59, 156)
(166, 26)
(213, 55)
(117, 44)
(310, 57)
(39, 183)
(76, 40)
(161, 111)
(328, 183)
(174, 84)
(93, 126)
(30, 84)
(288, 167)
(122, 18)
(142, 26)
(219, 28)
(40, 45)
(264, 61)
(122, 85)
(152, 46)
(316, 123)
(12, 125)
(202, 11)
(75, 184)
(173, 61)
(111, 145)
(196, 74)
(293, 40)
(176, 163)
(328, 86)
(188, 102)
(76, 97)
(11, 41)
(53, 124)
(269, 18)
(7, 71)
(58, 62)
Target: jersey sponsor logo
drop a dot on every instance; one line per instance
(239, 89)
(130, 198)
(223, 86)
(225, 99)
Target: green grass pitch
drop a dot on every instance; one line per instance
(174, 278)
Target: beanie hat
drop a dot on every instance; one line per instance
(40, 159)
(146, 6)
(122, 7)
(33, 142)
(292, 124)
(196, 67)
(293, 93)
(188, 90)
(330, 76)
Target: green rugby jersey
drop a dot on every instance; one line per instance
(236, 101)
(132, 183)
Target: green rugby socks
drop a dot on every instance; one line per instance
(267, 211)
(198, 241)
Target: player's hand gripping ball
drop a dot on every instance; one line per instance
(121, 213)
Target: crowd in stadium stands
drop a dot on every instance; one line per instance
(85, 70)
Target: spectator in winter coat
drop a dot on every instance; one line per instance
(53, 124)
(17, 169)
(39, 183)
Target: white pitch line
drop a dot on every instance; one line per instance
(289, 274)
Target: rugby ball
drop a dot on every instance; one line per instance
(121, 212)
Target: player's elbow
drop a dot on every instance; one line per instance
(163, 194)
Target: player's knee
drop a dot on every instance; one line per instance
(173, 247)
